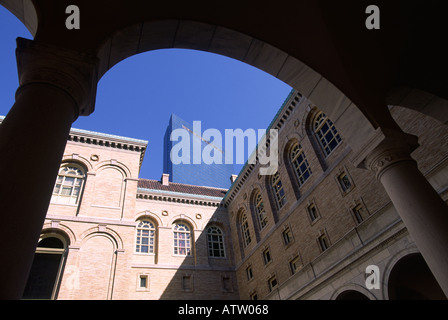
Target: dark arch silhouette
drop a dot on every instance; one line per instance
(411, 279)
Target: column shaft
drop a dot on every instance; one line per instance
(32, 142)
(56, 86)
(423, 212)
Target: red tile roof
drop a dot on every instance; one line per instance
(182, 188)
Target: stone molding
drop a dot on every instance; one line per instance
(73, 72)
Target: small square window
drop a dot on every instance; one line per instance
(254, 296)
(312, 212)
(344, 182)
(266, 256)
(143, 282)
(272, 283)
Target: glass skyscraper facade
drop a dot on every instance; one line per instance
(202, 174)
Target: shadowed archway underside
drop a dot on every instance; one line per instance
(321, 48)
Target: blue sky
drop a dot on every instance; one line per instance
(136, 97)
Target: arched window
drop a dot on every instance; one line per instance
(245, 229)
(215, 238)
(277, 189)
(300, 164)
(47, 268)
(145, 240)
(69, 184)
(260, 210)
(182, 239)
(326, 133)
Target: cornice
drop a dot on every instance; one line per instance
(177, 197)
(108, 141)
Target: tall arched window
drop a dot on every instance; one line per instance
(326, 133)
(300, 164)
(245, 228)
(215, 239)
(277, 189)
(260, 210)
(47, 268)
(182, 239)
(145, 240)
(69, 184)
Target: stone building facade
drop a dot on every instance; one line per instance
(308, 232)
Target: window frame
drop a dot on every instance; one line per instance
(249, 273)
(260, 210)
(267, 257)
(287, 236)
(295, 264)
(272, 286)
(151, 235)
(220, 242)
(361, 210)
(278, 190)
(77, 184)
(295, 153)
(245, 231)
(310, 212)
(320, 121)
(188, 239)
(324, 242)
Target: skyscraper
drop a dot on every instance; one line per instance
(189, 171)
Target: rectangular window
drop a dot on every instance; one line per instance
(253, 296)
(294, 265)
(312, 212)
(187, 283)
(359, 213)
(344, 182)
(323, 242)
(272, 283)
(249, 273)
(287, 236)
(143, 281)
(266, 256)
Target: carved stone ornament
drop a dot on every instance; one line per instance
(385, 149)
(380, 161)
(73, 72)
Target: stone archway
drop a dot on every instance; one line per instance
(411, 279)
(343, 69)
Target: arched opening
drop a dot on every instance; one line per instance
(411, 279)
(345, 110)
(351, 295)
(47, 268)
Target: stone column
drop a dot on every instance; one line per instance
(55, 87)
(422, 210)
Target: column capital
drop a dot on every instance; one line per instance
(386, 148)
(73, 72)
